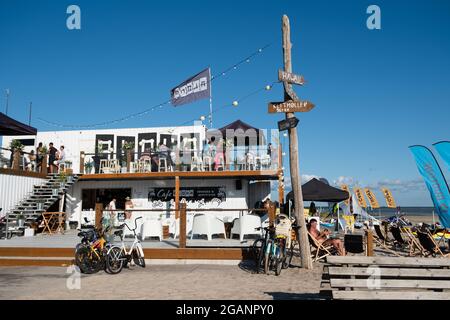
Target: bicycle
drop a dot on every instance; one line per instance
(259, 247)
(117, 256)
(90, 252)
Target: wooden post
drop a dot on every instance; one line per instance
(177, 197)
(182, 225)
(280, 187)
(98, 215)
(128, 160)
(293, 157)
(44, 168)
(369, 243)
(272, 213)
(82, 155)
(16, 160)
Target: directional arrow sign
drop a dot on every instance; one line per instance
(290, 77)
(290, 106)
(286, 124)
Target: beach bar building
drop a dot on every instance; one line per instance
(209, 183)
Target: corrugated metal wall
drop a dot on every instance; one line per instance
(13, 189)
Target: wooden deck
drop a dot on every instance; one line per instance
(58, 250)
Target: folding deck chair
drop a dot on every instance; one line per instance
(429, 244)
(413, 242)
(382, 240)
(320, 251)
(401, 243)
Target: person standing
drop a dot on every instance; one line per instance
(110, 213)
(61, 157)
(128, 205)
(51, 157)
(39, 157)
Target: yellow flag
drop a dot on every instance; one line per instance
(389, 198)
(360, 197)
(345, 188)
(372, 199)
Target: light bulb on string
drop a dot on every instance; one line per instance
(235, 103)
(268, 87)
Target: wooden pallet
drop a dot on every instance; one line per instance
(380, 278)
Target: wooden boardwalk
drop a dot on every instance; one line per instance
(379, 278)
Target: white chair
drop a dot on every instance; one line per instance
(152, 228)
(196, 163)
(250, 162)
(265, 162)
(104, 166)
(176, 227)
(162, 164)
(204, 224)
(220, 162)
(207, 162)
(246, 226)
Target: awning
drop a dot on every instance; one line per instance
(315, 190)
(11, 127)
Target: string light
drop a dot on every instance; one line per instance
(235, 103)
(152, 108)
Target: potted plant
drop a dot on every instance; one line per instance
(20, 220)
(88, 167)
(62, 177)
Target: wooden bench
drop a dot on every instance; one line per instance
(379, 278)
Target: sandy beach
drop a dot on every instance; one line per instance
(166, 282)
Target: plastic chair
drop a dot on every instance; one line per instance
(152, 228)
(246, 226)
(207, 225)
(265, 162)
(176, 227)
(196, 163)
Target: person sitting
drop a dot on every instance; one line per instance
(323, 237)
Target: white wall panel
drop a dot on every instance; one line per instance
(15, 188)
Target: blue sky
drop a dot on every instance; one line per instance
(376, 91)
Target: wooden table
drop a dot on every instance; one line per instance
(54, 222)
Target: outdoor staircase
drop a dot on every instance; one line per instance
(39, 201)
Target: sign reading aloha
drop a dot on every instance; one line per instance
(290, 106)
(290, 77)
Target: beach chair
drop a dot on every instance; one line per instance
(413, 243)
(319, 250)
(247, 225)
(429, 244)
(382, 241)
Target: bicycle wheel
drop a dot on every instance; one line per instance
(114, 260)
(267, 257)
(278, 266)
(289, 255)
(85, 261)
(138, 256)
(258, 251)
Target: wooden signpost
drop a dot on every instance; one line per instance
(290, 77)
(290, 105)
